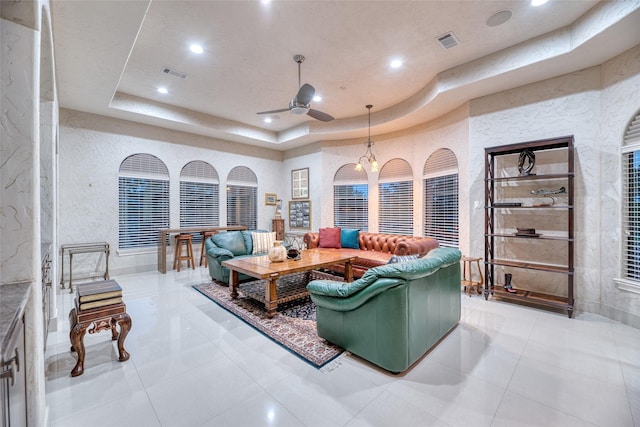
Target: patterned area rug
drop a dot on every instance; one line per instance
(294, 327)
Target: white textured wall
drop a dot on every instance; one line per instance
(414, 145)
(91, 151)
(620, 102)
(566, 105)
(594, 105)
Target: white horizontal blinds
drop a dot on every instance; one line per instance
(199, 196)
(440, 178)
(242, 198)
(143, 186)
(351, 198)
(395, 205)
(631, 194)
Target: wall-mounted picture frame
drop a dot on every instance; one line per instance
(300, 183)
(270, 199)
(300, 214)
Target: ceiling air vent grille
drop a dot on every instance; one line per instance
(448, 40)
(174, 73)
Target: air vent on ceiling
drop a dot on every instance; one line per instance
(448, 40)
(174, 73)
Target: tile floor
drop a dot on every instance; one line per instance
(194, 364)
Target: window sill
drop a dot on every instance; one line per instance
(138, 251)
(627, 285)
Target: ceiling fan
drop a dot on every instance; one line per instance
(300, 103)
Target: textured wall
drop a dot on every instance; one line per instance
(414, 145)
(91, 150)
(620, 102)
(595, 105)
(566, 105)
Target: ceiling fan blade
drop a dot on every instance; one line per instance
(319, 115)
(305, 94)
(273, 111)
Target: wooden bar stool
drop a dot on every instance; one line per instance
(179, 257)
(468, 282)
(203, 249)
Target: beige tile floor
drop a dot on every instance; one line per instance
(194, 364)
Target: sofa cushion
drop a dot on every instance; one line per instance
(262, 242)
(230, 240)
(349, 238)
(329, 238)
(402, 258)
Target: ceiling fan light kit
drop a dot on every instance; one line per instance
(368, 156)
(300, 104)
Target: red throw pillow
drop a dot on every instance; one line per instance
(329, 238)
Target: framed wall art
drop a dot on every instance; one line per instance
(270, 199)
(300, 214)
(300, 183)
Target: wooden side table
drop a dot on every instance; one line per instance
(468, 282)
(278, 227)
(102, 318)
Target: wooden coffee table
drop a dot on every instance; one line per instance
(261, 268)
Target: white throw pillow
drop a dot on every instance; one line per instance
(262, 242)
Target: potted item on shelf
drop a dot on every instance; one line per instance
(526, 232)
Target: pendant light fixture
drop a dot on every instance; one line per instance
(368, 155)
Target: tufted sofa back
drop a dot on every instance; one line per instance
(388, 243)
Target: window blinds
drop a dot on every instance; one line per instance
(199, 196)
(143, 206)
(242, 198)
(631, 194)
(351, 198)
(395, 204)
(440, 179)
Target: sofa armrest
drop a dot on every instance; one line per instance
(340, 296)
(220, 254)
(418, 246)
(312, 240)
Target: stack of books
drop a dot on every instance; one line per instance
(98, 294)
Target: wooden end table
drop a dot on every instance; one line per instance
(102, 318)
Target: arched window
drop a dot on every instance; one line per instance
(395, 205)
(440, 179)
(351, 198)
(143, 183)
(631, 201)
(242, 197)
(199, 195)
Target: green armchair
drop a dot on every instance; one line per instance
(395, 313)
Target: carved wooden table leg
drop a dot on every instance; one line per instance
(125, 325)
(76, 336)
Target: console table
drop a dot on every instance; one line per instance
(82, 248)
(164, 232)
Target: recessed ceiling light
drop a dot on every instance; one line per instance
(267, 120)
(396, 63)
(538, 2)
(196, 48)
(317, 98)
(163, 90)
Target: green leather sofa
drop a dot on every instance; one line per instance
(394, 313)
(228, 245)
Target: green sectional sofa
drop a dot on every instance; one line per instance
(227, 245)
(394, 313)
